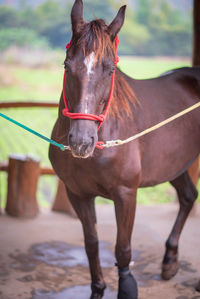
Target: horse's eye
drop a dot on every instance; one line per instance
(108, 68)
(112, 70)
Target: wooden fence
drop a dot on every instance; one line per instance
(23, 175)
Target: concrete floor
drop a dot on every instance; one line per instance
(43, 258)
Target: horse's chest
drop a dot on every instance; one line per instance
(85, 177)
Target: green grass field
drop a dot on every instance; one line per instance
(19, 84)
(144, 68)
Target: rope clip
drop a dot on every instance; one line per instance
(112, 143)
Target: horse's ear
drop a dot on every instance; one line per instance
(77, 16)
(117, 23)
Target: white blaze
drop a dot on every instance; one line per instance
(89, 63)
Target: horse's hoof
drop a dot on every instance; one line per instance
(127, 286)
(97, 290)
(96, 296)
(169, 270)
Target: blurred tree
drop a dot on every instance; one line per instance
(8, 17)
(21, 37)
(51, 23)
(133, 35)
(170, 32)
(95, 9)
(152, 27)
(144, 12)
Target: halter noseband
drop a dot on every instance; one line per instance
(100, 118)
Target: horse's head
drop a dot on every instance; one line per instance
(89, 65)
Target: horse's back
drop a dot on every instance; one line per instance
(170, 150)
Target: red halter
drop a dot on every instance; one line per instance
(100, 118)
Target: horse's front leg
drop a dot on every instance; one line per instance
(85, 210)
(125, 204)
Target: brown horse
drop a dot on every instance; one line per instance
(116, 173)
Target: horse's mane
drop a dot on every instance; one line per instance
(95, 38)
(123, 97)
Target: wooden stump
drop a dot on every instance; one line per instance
(196, 33)
(194, 169)
(194, 175)
(23, 174)
(62, 203)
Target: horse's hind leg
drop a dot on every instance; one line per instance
(187, 194)
(85, 210)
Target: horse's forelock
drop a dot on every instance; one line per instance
(95, 38)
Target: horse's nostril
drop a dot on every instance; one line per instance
(70, 140)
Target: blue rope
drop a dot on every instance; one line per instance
(61, 146)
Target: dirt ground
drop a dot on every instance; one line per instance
(44, 258)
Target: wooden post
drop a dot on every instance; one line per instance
(196, 33)
(23, 174)
(194, 169)
(62, 203)
(194, 175)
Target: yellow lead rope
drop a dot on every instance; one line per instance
(151, 129)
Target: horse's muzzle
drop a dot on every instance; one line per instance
(81, 147)
(81, 151)
(82, 138)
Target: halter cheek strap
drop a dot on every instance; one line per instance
(100, 118)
